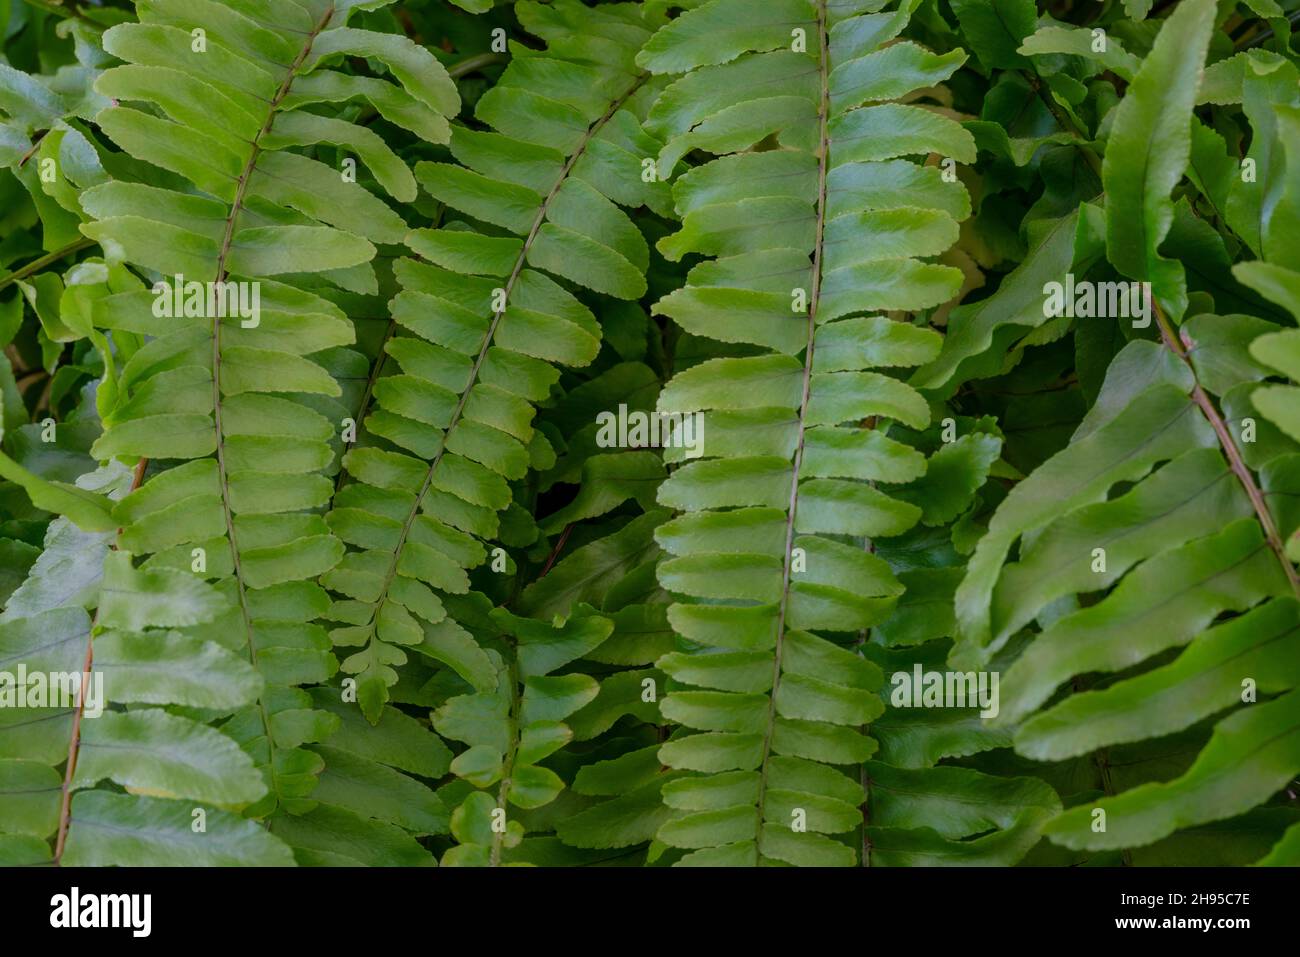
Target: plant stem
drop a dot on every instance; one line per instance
(787, 563)
(472, 64)
(555, 552)
(74, 748)
(223, 470)
(1255, 40)
(37, 265)
(1064, 120)
(74, 740)
(1238, 465)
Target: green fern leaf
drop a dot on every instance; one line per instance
(511, 730)
(213, 95)
(482, 322)
(831, 223)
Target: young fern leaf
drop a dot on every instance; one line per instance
(211, 94)
(831, 223)
(483, 324)
(511, 729)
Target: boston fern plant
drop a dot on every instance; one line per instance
(700, 432)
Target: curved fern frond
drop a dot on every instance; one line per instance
(813, 216)
(213, 95)
(1169, 479)
(1185, 515)
(484, 322)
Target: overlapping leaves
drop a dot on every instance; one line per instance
(1147, 558)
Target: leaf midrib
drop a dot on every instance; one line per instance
(814, 297)
(1236, 463)
(236, 207)
(514, 732)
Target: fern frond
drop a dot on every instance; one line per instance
(511, 730)
(175, 767)
(484, 322)
(212, 95)
(1165, 481)
(1188, 517)
(832, 222)
(615, 794)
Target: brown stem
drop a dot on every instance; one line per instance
(555, 552)
(823, 170)
(1064, 120)
(30, 379)
(74, 741)
(36, 144)
(1235, 461)
(74, 748)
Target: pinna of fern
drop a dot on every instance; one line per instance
(564, 681)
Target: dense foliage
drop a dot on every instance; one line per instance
(704, 432)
